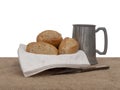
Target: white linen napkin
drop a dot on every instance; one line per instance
(31, 63)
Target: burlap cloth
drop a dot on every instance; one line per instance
(11, 78)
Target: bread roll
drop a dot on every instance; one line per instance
(50, 36)
(68, 46)
(41, 48)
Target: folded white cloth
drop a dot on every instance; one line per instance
(35, 63)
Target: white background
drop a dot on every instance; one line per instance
(22, 20)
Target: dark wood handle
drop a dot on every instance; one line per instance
(91, 68)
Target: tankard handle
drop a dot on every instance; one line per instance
(105, 40)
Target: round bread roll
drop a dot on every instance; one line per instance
(68, 46)
(50, 36)
(41, 48)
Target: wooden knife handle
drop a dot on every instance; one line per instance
(92, 68)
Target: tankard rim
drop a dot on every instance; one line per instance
(87, 25)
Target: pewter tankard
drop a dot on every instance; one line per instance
(85, 35)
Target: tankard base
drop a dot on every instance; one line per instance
(93, 61)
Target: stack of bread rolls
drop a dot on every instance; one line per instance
(51, 42)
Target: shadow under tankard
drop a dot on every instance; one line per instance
(85, 35)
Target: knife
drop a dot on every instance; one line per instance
(82, 69)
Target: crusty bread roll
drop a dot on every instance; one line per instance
(50, 36)
(68, 46)
(41, 48)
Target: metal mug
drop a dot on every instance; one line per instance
(85, 35)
